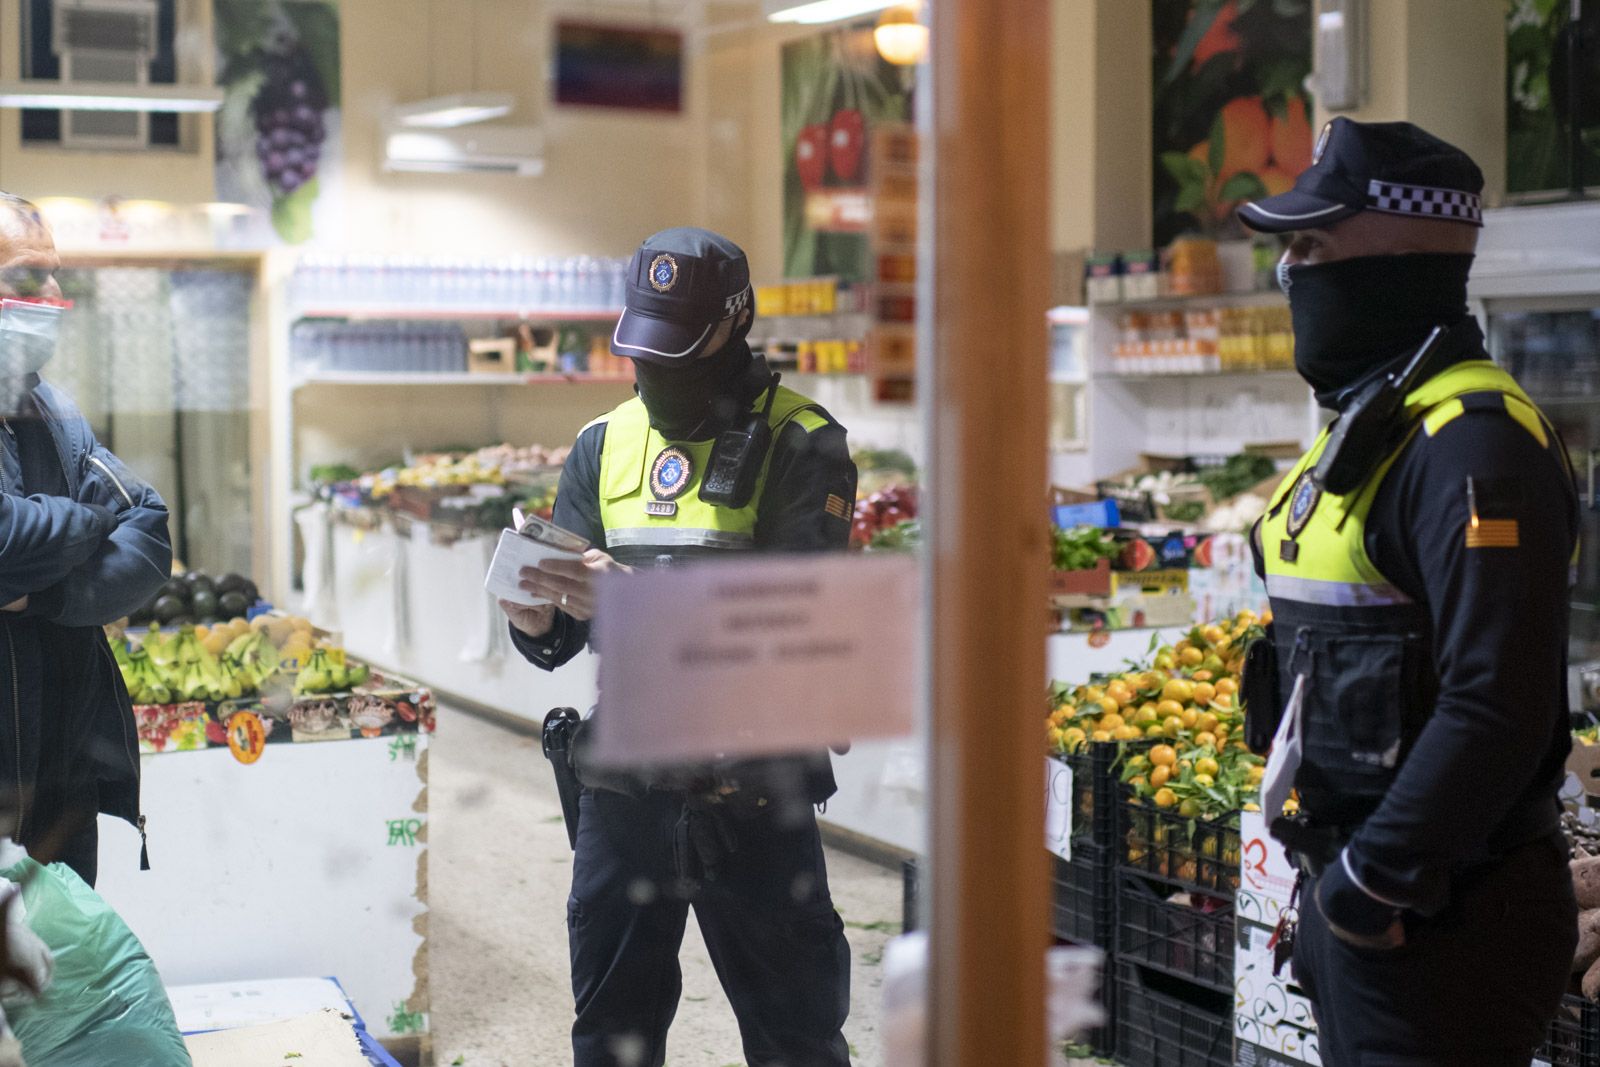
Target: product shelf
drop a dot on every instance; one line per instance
(1273, 374)
(450, 378)
(1251, 298)
(458, 314)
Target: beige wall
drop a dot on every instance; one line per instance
(610, 180)
(1441, 64)
(183, 175)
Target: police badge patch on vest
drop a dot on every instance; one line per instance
(670, 476)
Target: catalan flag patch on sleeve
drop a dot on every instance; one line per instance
(837, 507)
(1493, 533)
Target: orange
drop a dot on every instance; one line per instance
(1224, 700)
(1205, 765)
(1212, 634)
(1154, 731)
(1126, 733)
(1172, 726)
(1277, 182)
(1207, 722)
(1112, 722)
(1121, 692)
(1191, 657)
(1204, 781)
(1146, 715)
(1206, 739)
(1160, 776)
(1205, 693)
(1165, 798)
(1202, 676)
(1101, 736)
(1247, 137)
(1163, 755)
(1291, 140)
(1178, 690)
(1190, 717)
(1168, 708)
(1109, 705)
(1227, 687)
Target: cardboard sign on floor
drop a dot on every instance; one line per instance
(324, 1039)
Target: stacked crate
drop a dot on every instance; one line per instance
(1176, 880)
(1273, 1022)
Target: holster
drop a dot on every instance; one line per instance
(561, 728)
(1260, 693)
(1311, 847)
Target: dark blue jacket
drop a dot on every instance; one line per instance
(87, 547)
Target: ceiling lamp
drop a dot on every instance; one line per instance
(901, 39)
(458, 109)
(108, 96)
(815, 11)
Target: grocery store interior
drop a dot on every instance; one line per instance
(342, 287)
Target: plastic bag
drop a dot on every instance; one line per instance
(107, 1004)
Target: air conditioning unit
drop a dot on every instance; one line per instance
(109, 42)
(467, 149)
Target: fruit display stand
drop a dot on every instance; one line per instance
(323, 797)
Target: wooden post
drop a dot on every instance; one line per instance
(988, 534)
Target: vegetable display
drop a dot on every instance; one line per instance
(1081, 549)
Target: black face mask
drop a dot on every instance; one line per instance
(1354, 316)
(683, 398)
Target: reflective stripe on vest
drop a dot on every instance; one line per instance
(1330, 565)
(630, 449)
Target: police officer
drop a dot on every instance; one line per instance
(739, 843)
(1417, 562)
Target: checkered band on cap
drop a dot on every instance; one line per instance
(1447, 204)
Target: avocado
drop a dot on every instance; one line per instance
(205, 603)
(233, 604)
(174, 587)
(232, 583)
(203, 584)
(169, 609)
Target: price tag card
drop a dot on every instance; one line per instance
(756, 656)
(1058, 808)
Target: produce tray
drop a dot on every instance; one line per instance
(1095, 582)
(1574, 1036)
(1197, 854)
(384, 706)
(1083, 910)
(1192, 940)
(1163, 1022)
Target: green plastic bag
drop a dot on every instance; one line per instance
(106, 1004)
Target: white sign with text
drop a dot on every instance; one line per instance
(755, 656)
(1058, 808)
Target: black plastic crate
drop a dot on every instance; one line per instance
(1096, 768)
(1084, 909)
(1187, 939)
(1166, 1022)
(1574, 1037)
(1195, 853)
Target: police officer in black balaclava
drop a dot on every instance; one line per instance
(654, 482)
(1418, 568)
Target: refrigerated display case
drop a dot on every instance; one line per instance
(1536, 287)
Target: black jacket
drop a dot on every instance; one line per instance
(87, 542)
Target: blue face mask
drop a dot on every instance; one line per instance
(28, 335)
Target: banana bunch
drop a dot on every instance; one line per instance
(144, 678)
(256, 658)
(325, 673)
(199, 673)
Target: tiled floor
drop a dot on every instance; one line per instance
(499, 872)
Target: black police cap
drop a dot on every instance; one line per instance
(681, 284)
(1392, 167)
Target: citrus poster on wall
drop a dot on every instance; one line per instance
(1232, 118)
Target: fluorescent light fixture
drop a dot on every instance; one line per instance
(446, 112)
(900, 38)
(483, 150)
(815, 11)
(96, 96)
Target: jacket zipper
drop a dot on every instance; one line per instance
(16, 720)
(114, 479)
(133, 761)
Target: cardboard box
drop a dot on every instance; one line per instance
(1266, 871)
(1090, 583)
(1273, 1019)
(493, 356)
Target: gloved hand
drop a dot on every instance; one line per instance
(1353, 916)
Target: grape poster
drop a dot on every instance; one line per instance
(1232, 118)
(278, 129)
(836, 89)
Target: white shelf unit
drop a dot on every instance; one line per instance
(1178, 414)
(381, 378)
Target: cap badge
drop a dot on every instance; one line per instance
(671, 473)
(663, 273)
(1322, 143)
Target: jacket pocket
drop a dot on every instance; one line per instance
(1355, 708)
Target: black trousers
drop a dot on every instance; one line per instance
(1475, 986)
(776, 942)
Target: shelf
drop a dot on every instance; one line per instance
(1254, 298)
(1259, 375)
(383, 378)
(1068, 379)
(462, 314)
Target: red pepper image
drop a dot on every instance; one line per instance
(847, 143)
(811, 155)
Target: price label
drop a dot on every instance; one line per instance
(1058, 808)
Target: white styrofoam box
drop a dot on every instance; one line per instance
(1266, 870)
(1273, 1018)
